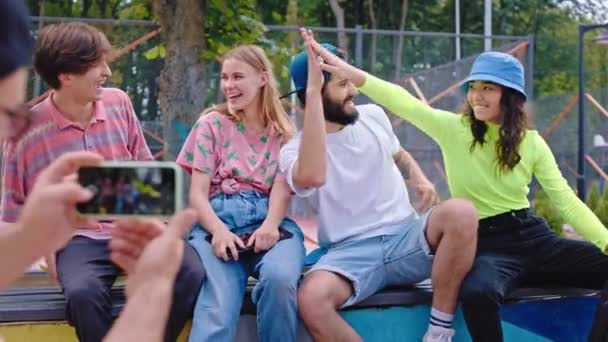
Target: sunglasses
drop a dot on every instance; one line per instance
(19, 120)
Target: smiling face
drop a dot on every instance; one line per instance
(484, 99)
(338, 101)
(241, 84)
(87, 86)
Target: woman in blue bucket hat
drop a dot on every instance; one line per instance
(490, 157)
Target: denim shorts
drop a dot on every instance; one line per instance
(376, 262)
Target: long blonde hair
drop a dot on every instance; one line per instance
(272, 110)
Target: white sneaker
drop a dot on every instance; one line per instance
(438, 334)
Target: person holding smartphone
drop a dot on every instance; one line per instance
(81, 115)
(52, 199)
(232, 153)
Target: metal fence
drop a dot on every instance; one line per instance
(427, 68)
(137, 74)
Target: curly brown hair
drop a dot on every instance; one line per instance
(512, 130)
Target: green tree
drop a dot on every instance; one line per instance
(594, 198)
(602, 213)
(78, 8)
(194, 34)
(605, 194)
(182, 86)
(545, 209)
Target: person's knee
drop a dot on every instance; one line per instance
(85, 291)
(281, 279)
(459, 217)
(313, 299)
(278, 285)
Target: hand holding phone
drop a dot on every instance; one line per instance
(244, 240)
(265, 237)
(132, 188)
(226, 244)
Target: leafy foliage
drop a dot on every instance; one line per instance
(545, 209)
(598, 203)
(229, 24)
(554, 24)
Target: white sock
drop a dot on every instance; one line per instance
(441, 319)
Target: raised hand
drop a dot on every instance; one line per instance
(315, 74)
(332, 63)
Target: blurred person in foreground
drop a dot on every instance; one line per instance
(48, 218)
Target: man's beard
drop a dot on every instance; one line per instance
(334, 112)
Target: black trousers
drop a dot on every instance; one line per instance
(86, 275)
(518, 249)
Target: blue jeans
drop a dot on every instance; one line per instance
(218, 306)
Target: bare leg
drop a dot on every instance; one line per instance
(452, 233)
(319, 297)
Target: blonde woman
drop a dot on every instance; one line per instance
(237, 191)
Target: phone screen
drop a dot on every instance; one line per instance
(137, 190)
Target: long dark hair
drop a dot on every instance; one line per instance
(512, 130)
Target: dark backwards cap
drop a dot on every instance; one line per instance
(298, 69)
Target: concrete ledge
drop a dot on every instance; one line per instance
(45, 302)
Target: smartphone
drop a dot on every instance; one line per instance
(283, 234)
(132, 188)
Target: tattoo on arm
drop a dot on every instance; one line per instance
(403, 164)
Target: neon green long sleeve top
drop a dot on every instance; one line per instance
(474, 175)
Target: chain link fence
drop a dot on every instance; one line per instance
(426, 66)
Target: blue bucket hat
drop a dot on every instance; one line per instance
(298, 68)
(499, 68)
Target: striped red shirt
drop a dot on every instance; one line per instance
(114, 132)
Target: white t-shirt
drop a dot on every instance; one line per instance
(364, 194)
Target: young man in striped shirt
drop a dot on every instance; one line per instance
(81, 115)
